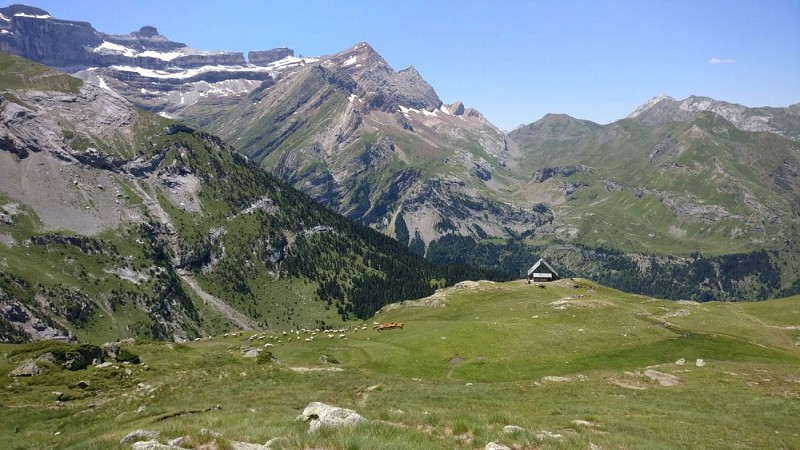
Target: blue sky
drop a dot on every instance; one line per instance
(513, 60)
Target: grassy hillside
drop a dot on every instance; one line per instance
(574, 359)
(18, 73)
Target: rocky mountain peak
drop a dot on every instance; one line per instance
(388, 89)
(23, 9)
(147, 31)
(411, 71)
(650, 104)
(359, 58)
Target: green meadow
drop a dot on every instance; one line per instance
(572, 363)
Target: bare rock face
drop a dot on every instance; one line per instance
(32, 33)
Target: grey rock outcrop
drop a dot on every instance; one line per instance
(19, 316)
(321, 415)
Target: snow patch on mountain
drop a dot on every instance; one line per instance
(112, 48)
(187, 73)
(33, 16)
(350, 61)
(116, 49)
(424, 112)
(288, 63)
(102, 84)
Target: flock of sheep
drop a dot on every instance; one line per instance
(308, 335)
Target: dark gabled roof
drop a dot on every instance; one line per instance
(539, 263)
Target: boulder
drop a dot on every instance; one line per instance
(510, 429)
(153, 445)
(322, 415)
(26, 369)
(252, 353)
(139, 435)
(76, 361)
(699, 363)
(48, 357)
(496, 446)
(236, 445)
(111, 350)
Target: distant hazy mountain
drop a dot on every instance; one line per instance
(664, 109)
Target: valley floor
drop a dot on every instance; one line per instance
(573, 364)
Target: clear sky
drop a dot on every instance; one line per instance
(513, 60)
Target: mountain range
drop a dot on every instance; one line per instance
(116, 221)
(682, 199)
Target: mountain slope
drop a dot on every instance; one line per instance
(683, 184)
(115, 222)
(380, 147)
